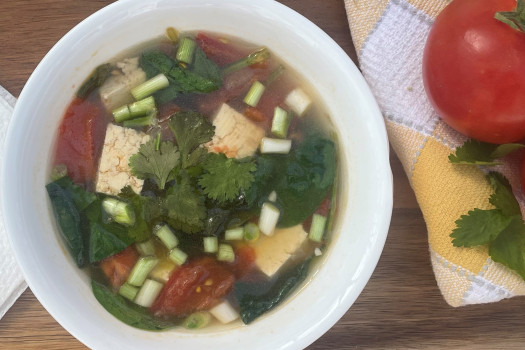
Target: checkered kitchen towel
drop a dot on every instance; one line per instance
(389, 36)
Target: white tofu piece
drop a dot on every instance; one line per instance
(298, 101)
(235, 135)
(272, 252)
(114, 172)
(115, 91)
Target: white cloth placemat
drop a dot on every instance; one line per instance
(12, 282)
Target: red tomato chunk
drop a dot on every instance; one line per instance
(117, 267)
(195, 286)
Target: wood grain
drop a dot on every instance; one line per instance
(400, 308)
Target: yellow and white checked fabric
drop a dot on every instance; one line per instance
(389, 37)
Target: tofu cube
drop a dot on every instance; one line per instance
(235, 135)
(114, 172)
(272, 252)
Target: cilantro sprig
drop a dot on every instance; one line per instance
(482, 153)
(501, 228)
(224, 177)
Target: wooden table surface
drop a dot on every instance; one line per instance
(400, 308)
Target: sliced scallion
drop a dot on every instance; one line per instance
(128, 291)
(268, 218)
(121, 212)
(254, 94)
(317, 228)
(234, 234)
(142, 107)
(298, 101)
(225, 253)
(251, 232)
(146, 248)
(148, 293)
(224, 312)
(140, 271)
(121, 113)
(58, 172)
(148, 120)
(281, 122)
(197, 320)
(167, 236)
(211, 244)
(186, 50)
(255, 57)
(280, 146)
(178, 256)
(272, 197)
(149, 87)
(172, 34)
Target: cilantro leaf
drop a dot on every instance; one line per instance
(509, 247)
(191, 129)
(479, 227)
(157, 165)
(185, 206)
(481, 153)
(224, 177)
(503, 198)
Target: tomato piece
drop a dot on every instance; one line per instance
(217, 50)
(473, 71)
(195, 286)
(80, 139)
(117, 267)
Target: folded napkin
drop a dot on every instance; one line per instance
(389, 37)
(12, 282)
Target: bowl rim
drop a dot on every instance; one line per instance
(385, 187)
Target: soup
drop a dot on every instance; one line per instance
(194, 181)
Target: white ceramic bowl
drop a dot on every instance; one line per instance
(366, 190)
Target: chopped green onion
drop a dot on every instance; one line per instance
(150, 119)
(268, 218)
(128, 291)
(58, 172)
(140, 271)
(121, 212)
(197, 320)
(234, 234)
(258, 56)
(134, 110)
(146, 248)
(254, 94)
(149, 87)
(317, 228)
(298, 101)
(280, 146)
(224, 312)
(172, 34)
(211, 244)
(167, 236)
(272, 197)
(142, 107)
(157, 142)
(178, 256)
(318, 251)
(148, 293)
(281, 122)
(251, 232)
(186, 50)
(225, 253)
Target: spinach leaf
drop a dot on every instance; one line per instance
(309, 174)
(69, 220)
(131, 314)
(103, 243)
(80, 196)
(254, 300)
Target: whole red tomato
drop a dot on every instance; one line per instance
(474, 71)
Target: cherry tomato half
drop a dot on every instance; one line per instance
(474, 71)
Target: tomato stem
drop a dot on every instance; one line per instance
(515, 19)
